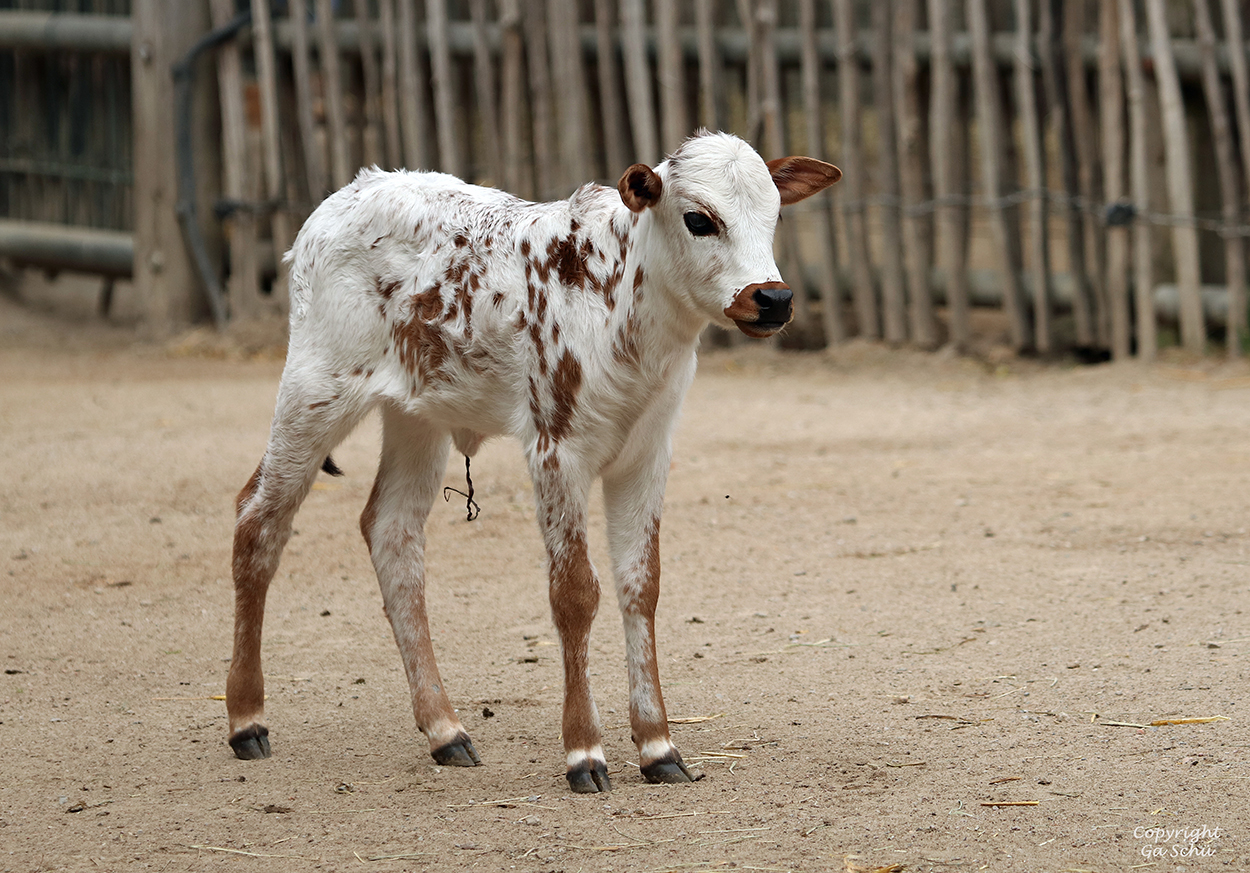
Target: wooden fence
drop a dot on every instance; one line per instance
(1079, 166)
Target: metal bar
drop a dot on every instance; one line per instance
(60, 247)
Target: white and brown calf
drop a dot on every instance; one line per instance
(465, 313)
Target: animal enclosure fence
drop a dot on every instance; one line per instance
(1081, 167)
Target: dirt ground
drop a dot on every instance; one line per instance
(917, 610)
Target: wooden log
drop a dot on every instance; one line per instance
(371, 100)
(711, 72)
(546, 158)
(450, 157)
(1054, 79)
(944, 153)
(566, 67)
(1179, 178)
(412, 93)
(893, 277)
(1235, 39)
(484, 85)
(671, 70)
(638, 83)
(917, 226)
(822, 213)
(1111, 124)
(1139, 180)
(990, 125)
(390, 85)
(1035, 176)
(512, 78)
(1225, 162)
(612, 109)
(314, 153)
(332, 91)
(243, 284)
(863, 292)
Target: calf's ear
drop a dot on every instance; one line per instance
(640, 187)
(798, 178)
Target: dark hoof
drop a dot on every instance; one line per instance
(589, 777)
(251, 744)
(458, 753)
(669, 770)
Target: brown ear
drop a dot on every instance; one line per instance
(798, 178)
(639, 187)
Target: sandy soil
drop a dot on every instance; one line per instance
(902, 593)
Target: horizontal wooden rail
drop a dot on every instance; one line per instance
(59, 247)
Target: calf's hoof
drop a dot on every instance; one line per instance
(458, 753)
(589, 777)
(671, 770)
(251, 743)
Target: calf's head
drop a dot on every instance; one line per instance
(716, 204)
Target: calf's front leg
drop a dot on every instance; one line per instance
(633, 501)
(574, 594)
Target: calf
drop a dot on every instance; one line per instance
(464, 313)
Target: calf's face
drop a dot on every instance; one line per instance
(716, 204)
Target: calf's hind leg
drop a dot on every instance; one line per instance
(306, 427)
(414, 457)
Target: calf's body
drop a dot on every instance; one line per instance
(464, 313)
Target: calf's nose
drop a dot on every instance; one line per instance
(774, 304)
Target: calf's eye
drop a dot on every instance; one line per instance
(699, 224)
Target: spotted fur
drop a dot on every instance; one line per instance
(463, 313)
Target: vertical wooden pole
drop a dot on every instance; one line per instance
(371, 103)
(1225, 162)
(169, 291)
(567, 68)
(243, 285)
(1087, 171)
(711, 74)
(412, 95)
(533, 18)
(332, 88)
(275, 176)
(1035, 176)
(952, 244)
(484, 82)
(450, 158)
(1179, 179)
(822, 213)
(1111, 123)
(314, 154)
(853, 156)
(671, 69)
(990, 123)
(1054, 77)
(893, 296)
(638, 83)
(512, 79)
(1139, 177)
(615, 145)
(390, 84)
(754, 84)
(803, 329)
(1234, 36)
(917, 228)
